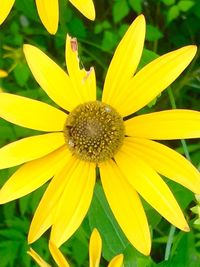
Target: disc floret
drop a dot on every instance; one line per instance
(94, 131)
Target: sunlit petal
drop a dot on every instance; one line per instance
(153, 79)
(48, 11)
(3, 73)
(86, 7)
(95, 247)
(84, 82)
(43, 217)
(124, 61)
(126, 206)
(151, 187)
(166, 161)
(33, 175)
(5, 7)
(37, 258)
(77, 195)
(57, 255)
(117, 261)
(165, 125)
(51, 78)
(29, 148)
(31, 113)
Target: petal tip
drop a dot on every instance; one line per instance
(194, 49)
(31, 238)
(190, 49)
(146, 251)
(186, 228)
(92, 17)
(141, 17)
(140, 20)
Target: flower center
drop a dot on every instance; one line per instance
(94, 131)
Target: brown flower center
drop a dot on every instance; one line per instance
(94, 131)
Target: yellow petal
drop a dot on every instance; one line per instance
(84, 82)
(153, 79)
(125, 60)
(151, 187)
(31, 113)
(77, 195)
(53, 80)
(166, 161)
(5, 7)
(33, 175)
(117, 261)
(57, 256)
(48, 11)
(3, 73)
(38, 259)
(86, 7)
(29, 148)
(95, 247)
(165, 125)
(126, 206)
(44, 215)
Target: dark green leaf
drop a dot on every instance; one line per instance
(21, 73)
(120, 10)
(136, 5)
(153, 33)
(101, 217)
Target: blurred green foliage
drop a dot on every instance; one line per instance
(170, 25)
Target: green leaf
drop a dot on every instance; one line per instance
(9, 210)
(132, 258)
(183, 252)
(168, 2)
(179, 191)
(153, 33)
(101, 217)
(185, 5)
(24, 203)
(122, 29)
(77, 250)
(21, 73)
(102, 26)
(8, 253)
(109, 40)
(28, 8)
(153, 216)
(120, 10)
(147, 57)
(136, 5)
(196, 10)
(77, 28)
(173, 13)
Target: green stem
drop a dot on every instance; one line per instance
(171, 98)
(189, 75)
(173, 104)
(187, 154)
(169, 242)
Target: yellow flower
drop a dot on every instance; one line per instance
(48, 11)
(3, 73)
(95, 247)
(87, 134)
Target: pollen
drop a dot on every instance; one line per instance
(94, 131)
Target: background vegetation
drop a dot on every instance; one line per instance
(170, 25)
